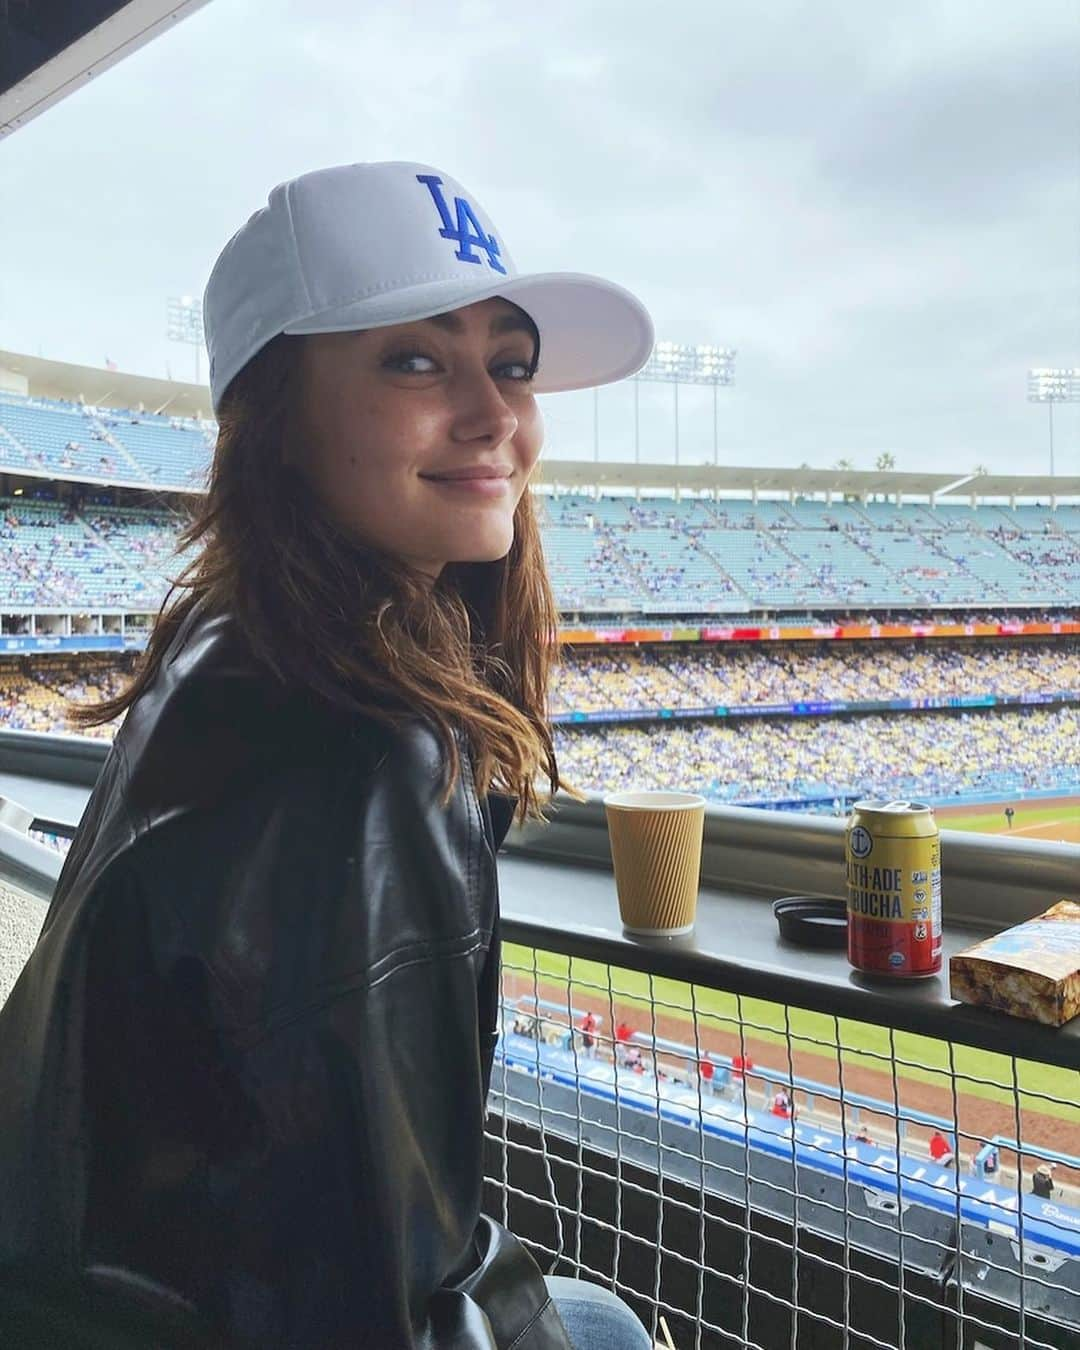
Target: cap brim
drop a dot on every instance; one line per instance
(592, 331)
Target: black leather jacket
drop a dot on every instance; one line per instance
(246, 1064)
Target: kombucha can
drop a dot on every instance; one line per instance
(893, 856)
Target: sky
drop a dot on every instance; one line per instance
(877, 206)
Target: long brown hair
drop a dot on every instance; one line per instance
(319, 610)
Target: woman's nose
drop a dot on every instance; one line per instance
(481, 412)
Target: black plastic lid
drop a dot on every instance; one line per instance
(812, 922)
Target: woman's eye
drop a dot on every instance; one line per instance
(417, 363)
(521, 371)
(407, 363)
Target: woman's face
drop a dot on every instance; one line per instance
(392, 418)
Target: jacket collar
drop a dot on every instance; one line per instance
(214, 715)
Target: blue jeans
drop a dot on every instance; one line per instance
(595, 1318)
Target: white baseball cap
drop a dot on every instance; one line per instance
(369, 245)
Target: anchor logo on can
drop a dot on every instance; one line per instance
(861, 842)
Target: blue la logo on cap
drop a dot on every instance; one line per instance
(469, 233)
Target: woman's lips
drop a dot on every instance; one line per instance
(477, 487)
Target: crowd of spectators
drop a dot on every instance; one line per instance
(1053, 553)
(928, 754)
(51, 561)
(937, 754)
(923, 618)
(146, 539)
(33, 691)
(674, 556)
(765, 554)
(703, 675)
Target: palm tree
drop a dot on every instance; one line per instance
(885, 462)
(980, 471)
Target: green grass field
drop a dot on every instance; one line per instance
(920, 1058)
(1057, 818)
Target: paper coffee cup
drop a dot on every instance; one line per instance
(656, 852)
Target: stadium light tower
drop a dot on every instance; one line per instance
(1050, 386)
(185, 324)
(678, 363)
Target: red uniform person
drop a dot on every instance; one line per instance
(940, 1149)
(623, 1034)
(740, 1065)
(705, 1073)
(588, 1033)
(782, 1105)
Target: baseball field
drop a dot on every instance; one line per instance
(1056, 818)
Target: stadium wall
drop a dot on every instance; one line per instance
(818, 709)
(827, 803)
(77, 642)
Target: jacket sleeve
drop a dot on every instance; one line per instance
(337, 1082)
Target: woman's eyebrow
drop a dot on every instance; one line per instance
(502, 323)
(510, 323)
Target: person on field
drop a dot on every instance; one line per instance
(634, 1060)
(1042, 1181)
(741, 1065)
(244, 1072)
(940, 1150)
(985, 1162)
(783, 1105)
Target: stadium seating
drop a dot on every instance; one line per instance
(676, 676)
(146, 539)
(115, 445)
(935, 754)
(902, 519)
(929, 573)
(167, 452)
(58, 440)
(765, 573)
(814, 515)
(733, 515)
(845, 571)
(33, 691)
(612, 553)
(667, 560)
(51, 560)
(587, 571)
(745, 759)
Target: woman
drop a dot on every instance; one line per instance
(244, 1071)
